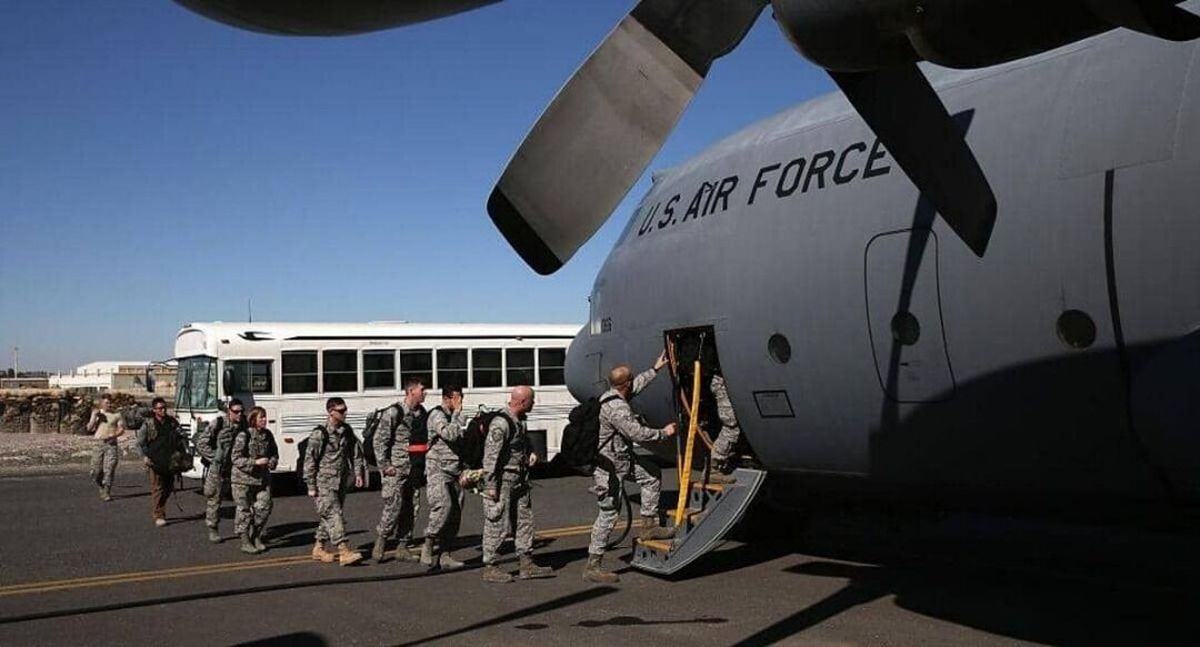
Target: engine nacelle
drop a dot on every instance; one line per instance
(325, 17)
(861, 35)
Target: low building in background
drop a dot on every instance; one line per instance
(97, 377)
(24, 382)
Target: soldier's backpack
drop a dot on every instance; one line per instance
(205, 439)
(181, 456)
(581, 436)
(320, 453)
(470, 448)
(368, 436)
(418, 438)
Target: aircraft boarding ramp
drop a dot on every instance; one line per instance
(712, 511)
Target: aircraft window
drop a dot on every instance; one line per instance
(340, 370)
(519, 364)
(300, 371)
(779, 348)
(417, 364)
(550, 366)
(485, 368)
(452, 368)
(379, 369)
(905, 328)
(1076, 329)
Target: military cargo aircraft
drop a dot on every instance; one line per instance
(981, 284)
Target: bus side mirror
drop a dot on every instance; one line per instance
(149, 380)
(227, 382)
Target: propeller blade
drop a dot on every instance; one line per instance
(605, 125)
(1159, 18)
(909, 118)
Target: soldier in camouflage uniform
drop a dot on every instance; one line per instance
(106, 427)
(213, 444)
(506, 462)
(333, 459)
(722, 466)
(443, 468)
(255, 454)
(401, 499)
(616, 463)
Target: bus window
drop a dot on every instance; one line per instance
(519, 363)
(340, 370)
(485, 368)
(250, 376)
(300, 371)
(416, 364)
(550, 366)
(379, 369)
(452, 368)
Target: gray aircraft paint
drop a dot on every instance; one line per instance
(990, 400)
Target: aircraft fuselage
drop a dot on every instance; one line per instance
(1060, 366)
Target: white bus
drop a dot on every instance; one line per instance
(290, 369)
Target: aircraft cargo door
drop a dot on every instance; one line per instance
(905, 316)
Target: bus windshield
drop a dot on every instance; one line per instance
(197, 383)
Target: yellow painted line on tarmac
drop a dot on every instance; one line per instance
(101, 580)
(207, 569)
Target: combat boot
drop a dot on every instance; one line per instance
(347, 556)
(214, 537)
(447, 563)
(652, 530)
(256, 535)
(438, 559)
(405, 554)
(427, 553)
(105, 495)
(378, 549)
(248, 543)
(593, 573)
(720, 474)
(493, 575)
(321, 554)
(531, 571)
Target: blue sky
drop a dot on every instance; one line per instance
(157, 168)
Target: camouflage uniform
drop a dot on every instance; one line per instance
(252, 483)
(506, 469)
(219, 467)
(333, 459)
(618, 426)
(442, 469)
(401, 500)
(107, 453)
(727, 439)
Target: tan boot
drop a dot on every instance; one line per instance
(493, 575)
(593, 573)
(719, 474)
(321, 554)
(651, 530)
(531, 571)
(346, 556)
(427, 551)
(378, 549)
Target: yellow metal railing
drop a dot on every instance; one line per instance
(685, 469)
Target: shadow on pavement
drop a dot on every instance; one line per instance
(557, 603)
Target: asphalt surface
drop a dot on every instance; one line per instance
(76, 571)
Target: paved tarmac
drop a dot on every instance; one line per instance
(76, 571)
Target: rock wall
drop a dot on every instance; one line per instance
(51, 412)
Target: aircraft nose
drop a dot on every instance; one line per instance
(582, 369)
